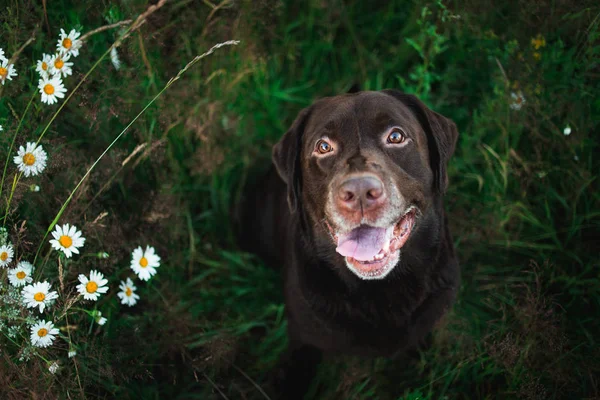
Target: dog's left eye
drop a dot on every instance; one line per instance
(396, 136)
(323, 147)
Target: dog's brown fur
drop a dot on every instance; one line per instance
(285, 219)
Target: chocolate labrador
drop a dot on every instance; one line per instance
(353, 212)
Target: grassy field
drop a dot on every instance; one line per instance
(523, 200)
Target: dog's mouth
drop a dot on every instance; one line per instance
(372, 252)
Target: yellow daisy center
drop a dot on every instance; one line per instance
(44, 66)
(29, 159)
(67, 43)
(21, 275)
(65, 241)
(4, 256)
(128, 292)
(39, 296)
(42, 332)
(58, 64)
(91, 287)
(48, 89)
(143, 262)
(3, 72)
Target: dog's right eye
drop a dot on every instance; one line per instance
(323, 147)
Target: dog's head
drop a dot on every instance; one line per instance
(364, 168)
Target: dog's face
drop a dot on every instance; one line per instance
(364, 168)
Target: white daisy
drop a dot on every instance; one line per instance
(69, 44)
(51, 89)
(94, 286)
(7, 71)
(127, 293)
(6, 254)
(31, 160)
(67, 239)
(567, 130)
(21, 274)
(59, 65)
(42, 333)
(114, 58)
(144, 263)
(518, 100)
(53, 367)
(43, 66)
(97, 315)
(38, 294)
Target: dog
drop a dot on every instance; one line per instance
(352, 210)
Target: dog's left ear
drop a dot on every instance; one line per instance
(441, 136)
(286, 157)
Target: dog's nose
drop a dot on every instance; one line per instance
(364, 192)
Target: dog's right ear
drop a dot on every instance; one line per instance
(286, 157)
(441, 136)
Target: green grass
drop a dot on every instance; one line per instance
(523, 200)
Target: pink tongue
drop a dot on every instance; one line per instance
(364, 242)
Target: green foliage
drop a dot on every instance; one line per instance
(523, 199)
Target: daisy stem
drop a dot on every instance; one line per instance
(14, 318)
(13, 341)
(38, 271)
(12, 144)
(12, 191)
(93, 315)
(105, 28)
(169, 83)
(74, 362)
(72, 93)
(89, 255)
(43, 358)
(90, 313)
(68, 97)
(130, 29)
